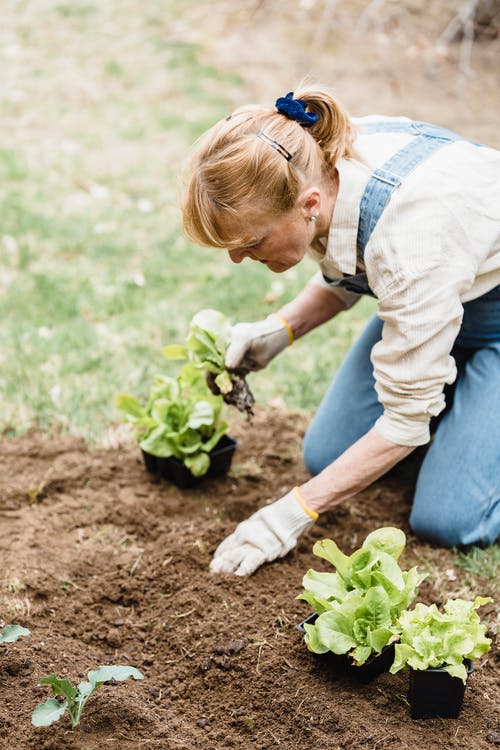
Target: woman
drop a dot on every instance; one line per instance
(409, 213)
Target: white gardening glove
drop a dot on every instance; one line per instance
(269, 533)
(253, 345)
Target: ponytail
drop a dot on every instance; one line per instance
(255, 162)
(333, 131)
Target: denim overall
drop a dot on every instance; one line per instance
(457, 497)
(384, 181)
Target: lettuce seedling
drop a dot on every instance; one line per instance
(359, 604)
(208, 339)
(76, 697)
(434, 639)
(11, 633)
(182, 418)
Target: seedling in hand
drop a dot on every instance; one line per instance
(207, 341)
(76, 697)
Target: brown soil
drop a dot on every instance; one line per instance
(107, 565)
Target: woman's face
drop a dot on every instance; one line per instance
(279, 243)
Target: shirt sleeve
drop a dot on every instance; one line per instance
(422, 315)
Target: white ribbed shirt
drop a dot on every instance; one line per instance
(435, 246)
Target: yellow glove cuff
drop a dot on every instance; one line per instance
(288, 327)
(310, 512)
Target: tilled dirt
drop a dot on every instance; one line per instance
(105, 564)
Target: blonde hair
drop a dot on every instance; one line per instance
(234, 173)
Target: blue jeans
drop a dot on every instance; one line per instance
(457, 497)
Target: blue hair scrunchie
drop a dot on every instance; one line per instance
(295, 109)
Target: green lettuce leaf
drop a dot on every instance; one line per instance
(11, 633)
(223, 382)
(359, 605)
(130, 406)
(360, 654)
(327, 585)
(388, 539)
(198, 465)
(211, 443)
(216, 325)
(175, 351)
(158, 444)
(335, 632)
(328, 550)
(375, 609)
(434, 639)
(201, 414)
(379, 638)
(312, 640)
(48, 712)
(113, 672)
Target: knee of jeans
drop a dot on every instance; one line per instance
(318, 453)
(440, 527)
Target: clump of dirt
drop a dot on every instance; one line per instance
(106, 564)
(240, 394)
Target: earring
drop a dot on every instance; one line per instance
(313, 218)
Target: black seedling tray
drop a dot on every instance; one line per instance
(175, 471)
(434, 692)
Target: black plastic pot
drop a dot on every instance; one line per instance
(175, 471)
(367, 672)
(434, 692)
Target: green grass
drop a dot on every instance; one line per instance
(481, 576)
(481, 563)
(95, 275)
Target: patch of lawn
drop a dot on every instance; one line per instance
(482, 563)
(95, 274)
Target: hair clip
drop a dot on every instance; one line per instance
(274, 144)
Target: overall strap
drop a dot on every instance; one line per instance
(384, 180)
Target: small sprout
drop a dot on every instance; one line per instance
(76, 697)
(135, 566)
(180, 615)
(126, 541)
(11, 633)
(69, 585)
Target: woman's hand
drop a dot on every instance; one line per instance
(269, 533)
(253, 345)
(273, 531)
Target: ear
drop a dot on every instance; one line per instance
(310, 201)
